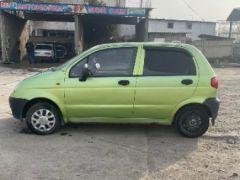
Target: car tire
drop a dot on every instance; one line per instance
(192, 121)
(43, 118)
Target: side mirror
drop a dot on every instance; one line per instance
(85, 73)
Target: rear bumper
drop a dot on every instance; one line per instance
(17, 106)
(213, 105)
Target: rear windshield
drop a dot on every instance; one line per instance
(47, 47)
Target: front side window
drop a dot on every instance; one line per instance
(110, 62)
(168, 62)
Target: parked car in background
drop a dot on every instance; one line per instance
(169, 84)
(60, 52)
(50, 52)
(44, 52)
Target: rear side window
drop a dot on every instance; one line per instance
(168, 62)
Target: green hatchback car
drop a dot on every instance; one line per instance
(162, 83)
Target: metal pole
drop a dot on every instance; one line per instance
(230, 30)
(3, 38)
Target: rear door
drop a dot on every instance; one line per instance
(169, 77)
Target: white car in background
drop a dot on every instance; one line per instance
(45, 52)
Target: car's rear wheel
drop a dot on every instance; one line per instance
(192, 121)
(43, 118)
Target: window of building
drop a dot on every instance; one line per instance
(168, 62)
(170, 25)
(189, 25)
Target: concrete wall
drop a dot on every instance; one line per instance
(11, 30)
(215, 49)
(24, 37)
(236, 52)
(167, 37)
(125, 31)
(44, 25)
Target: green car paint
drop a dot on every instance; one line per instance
(147, 99)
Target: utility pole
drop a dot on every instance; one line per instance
(230, 30)
(3, 38)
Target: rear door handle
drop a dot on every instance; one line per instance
(123, 82)
(187, 81)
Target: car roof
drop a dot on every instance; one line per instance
(149, 44)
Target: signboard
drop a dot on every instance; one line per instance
(38, 7)
(72, 9)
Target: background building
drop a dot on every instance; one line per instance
(116, 3)
(171, 30)
(76, 24)
(180, 29)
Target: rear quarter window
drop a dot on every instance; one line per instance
(168, 62)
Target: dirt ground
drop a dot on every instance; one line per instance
(145, 152)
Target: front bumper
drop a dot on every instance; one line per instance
(17, 106)
(213, 106)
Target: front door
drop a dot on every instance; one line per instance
(169, 78)
(108, 92)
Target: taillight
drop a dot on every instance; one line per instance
(214, 82)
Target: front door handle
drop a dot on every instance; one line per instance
(187, 81)
(123, 82)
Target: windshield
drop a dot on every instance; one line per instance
(45, 47)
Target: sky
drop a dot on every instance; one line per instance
(207, 10)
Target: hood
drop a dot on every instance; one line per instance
(45, 79)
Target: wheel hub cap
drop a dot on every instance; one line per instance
(43, 120)
(193, 122)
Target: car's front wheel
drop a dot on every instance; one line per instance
(192, 121)
(43, 118)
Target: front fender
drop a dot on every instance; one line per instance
(54, 95)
